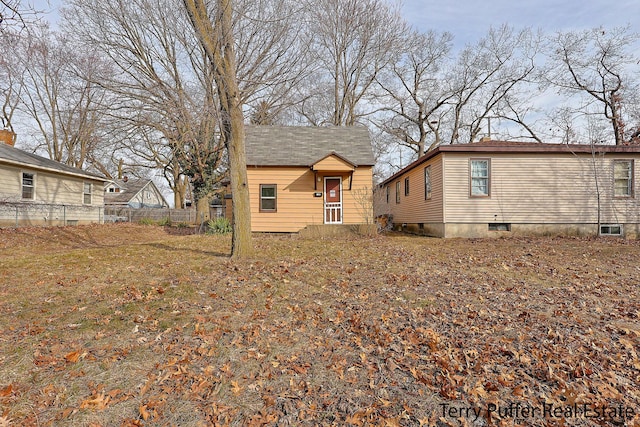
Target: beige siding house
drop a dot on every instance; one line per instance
(301, 176)
(494, 188)
(136, 193)
(38, 191)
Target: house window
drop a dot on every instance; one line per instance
(495, 226)
(268, 196)
(388, 191)
(623, 178)
(611, 230)
(427, 183)
(87, 191)
(479, 177)
(28, 186)
(406, 186)
(398, 192)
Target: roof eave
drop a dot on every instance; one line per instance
(521, 148)
(53, 170)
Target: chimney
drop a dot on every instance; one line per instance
(7, 137)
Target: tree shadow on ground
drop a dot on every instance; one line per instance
(170, 248)
(181, 231)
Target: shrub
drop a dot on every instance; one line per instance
(146, 221)
(165, 222)
(219, 225)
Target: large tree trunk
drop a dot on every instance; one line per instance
(202, 209)
(180, 184)
(218, 43)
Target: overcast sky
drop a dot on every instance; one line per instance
(469, 20)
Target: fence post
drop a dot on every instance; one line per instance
(64, 214)
(16, 216)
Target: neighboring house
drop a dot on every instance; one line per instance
(300, 176)
(38, 191)
(494, 188)
(136, 193)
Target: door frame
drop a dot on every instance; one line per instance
(324, 204)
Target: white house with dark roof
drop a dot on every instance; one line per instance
(301, 176)
(35, 190)
(136, 193)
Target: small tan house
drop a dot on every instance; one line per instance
(35, 190)
(494, 188)
(300, 176)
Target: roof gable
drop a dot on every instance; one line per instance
(333, 162)
(17, 157)
(129, 190)
(304, 145)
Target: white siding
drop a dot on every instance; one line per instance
(58, 199)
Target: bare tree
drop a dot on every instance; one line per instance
(352, 41)
(598, 63)
(273, 56)
(412, 95)
(165, 98)
(216, 37)
(55, 91)
(483, 77)
(17, 14)
(431, 98)
(11, 83)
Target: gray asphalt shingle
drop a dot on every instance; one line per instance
(304, 145)
(16, 155)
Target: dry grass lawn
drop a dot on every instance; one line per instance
(131, 325)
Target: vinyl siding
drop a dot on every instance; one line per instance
(414, 208)
(49, 187)
(147, 197)
(332, 163)
(58, 199)
(529, 188)
(10, 185)
(296, 205)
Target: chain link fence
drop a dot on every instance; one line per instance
(20, 214)
(125, 214)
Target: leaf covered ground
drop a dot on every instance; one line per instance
(130, 325)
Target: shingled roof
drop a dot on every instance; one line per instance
(17, 157)
(494, 147)
(304, 145)
(128, 190)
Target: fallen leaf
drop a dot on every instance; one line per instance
(73, 356)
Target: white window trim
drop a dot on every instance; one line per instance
(488, 177)
(427, 183)
(85, 194)
(33, 186)
(630, 186)
(275, 198)
(608, 227)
